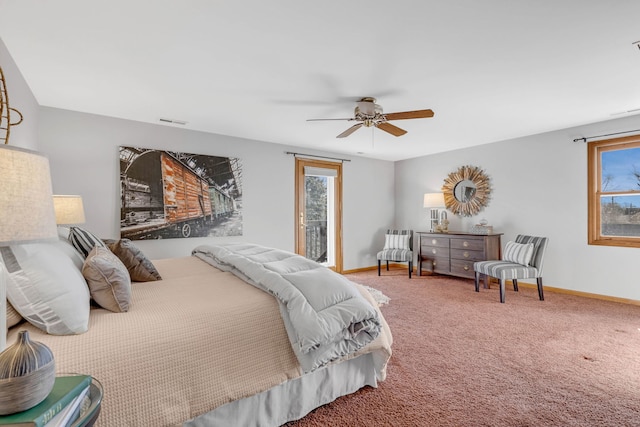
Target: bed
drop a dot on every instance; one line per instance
(202, 347)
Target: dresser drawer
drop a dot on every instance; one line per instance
(437, 242)
(467, 255)
(434, 252)
(473, 244)
(462, 268)
(440, 265)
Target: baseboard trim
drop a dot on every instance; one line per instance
(580, 293)
(375, 267)
(522, 284)
(359, 270)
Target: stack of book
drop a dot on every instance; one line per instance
(59, 409)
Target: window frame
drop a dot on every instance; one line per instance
(595, 148)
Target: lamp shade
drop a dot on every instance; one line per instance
(26, 203)
(69, 209)
(434, 200)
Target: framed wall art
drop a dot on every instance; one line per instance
(169, 194)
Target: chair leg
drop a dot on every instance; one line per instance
(477, 282)
(387, 265)
(502, 291)
(410, 268)
(540, 291)
(515, 284)
(378, 267)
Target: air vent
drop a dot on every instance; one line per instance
(633, 111)
(173, 121)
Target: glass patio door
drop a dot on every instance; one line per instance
(318, 211)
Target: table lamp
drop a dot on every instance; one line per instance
(69, 209)
(26, 210)
(435, 201)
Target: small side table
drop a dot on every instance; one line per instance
(89, 414)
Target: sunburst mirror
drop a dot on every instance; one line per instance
(466, 191)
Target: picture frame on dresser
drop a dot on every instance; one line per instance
(453, 253)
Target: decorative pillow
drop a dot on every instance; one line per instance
(13, 317)
(84, 240)
(520, 253)
(396, 241)
(108, 280)
(67, 248)
(139, 267)
(46, 288)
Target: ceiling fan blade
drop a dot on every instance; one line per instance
(349, 131)
(393, 130)
(418, 114)
(319, 120)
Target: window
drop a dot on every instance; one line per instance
(614, 192)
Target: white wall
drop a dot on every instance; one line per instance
(83, 151)
(540, 188)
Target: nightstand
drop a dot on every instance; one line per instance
(90, 413)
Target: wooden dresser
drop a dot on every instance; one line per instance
(454, 253)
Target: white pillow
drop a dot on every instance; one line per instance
(67, 248)
(46, 288)
(63, 232)
(396, 241)
(520, 253)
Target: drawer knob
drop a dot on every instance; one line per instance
(434, 241)
(465, 244)
(433, 251)
(465, 254)
(466, 268)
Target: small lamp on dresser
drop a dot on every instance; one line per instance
(434, 201)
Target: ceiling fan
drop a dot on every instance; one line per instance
(368, 114)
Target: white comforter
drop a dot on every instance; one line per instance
(325, 315)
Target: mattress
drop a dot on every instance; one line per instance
(190, 343)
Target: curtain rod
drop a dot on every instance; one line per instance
(584, 139)
(318, 157)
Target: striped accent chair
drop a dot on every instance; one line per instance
(397, 248)
(522, 260)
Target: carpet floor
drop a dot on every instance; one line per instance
(461, 358)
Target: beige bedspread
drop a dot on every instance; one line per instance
(190, 343)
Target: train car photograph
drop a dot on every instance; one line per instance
(166, 194)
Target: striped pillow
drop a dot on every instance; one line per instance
(84, 240)
(396, 241)
(520, 253)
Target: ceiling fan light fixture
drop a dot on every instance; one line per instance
(368, 107)
(369, 114)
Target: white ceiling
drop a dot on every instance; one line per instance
(491, 70)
